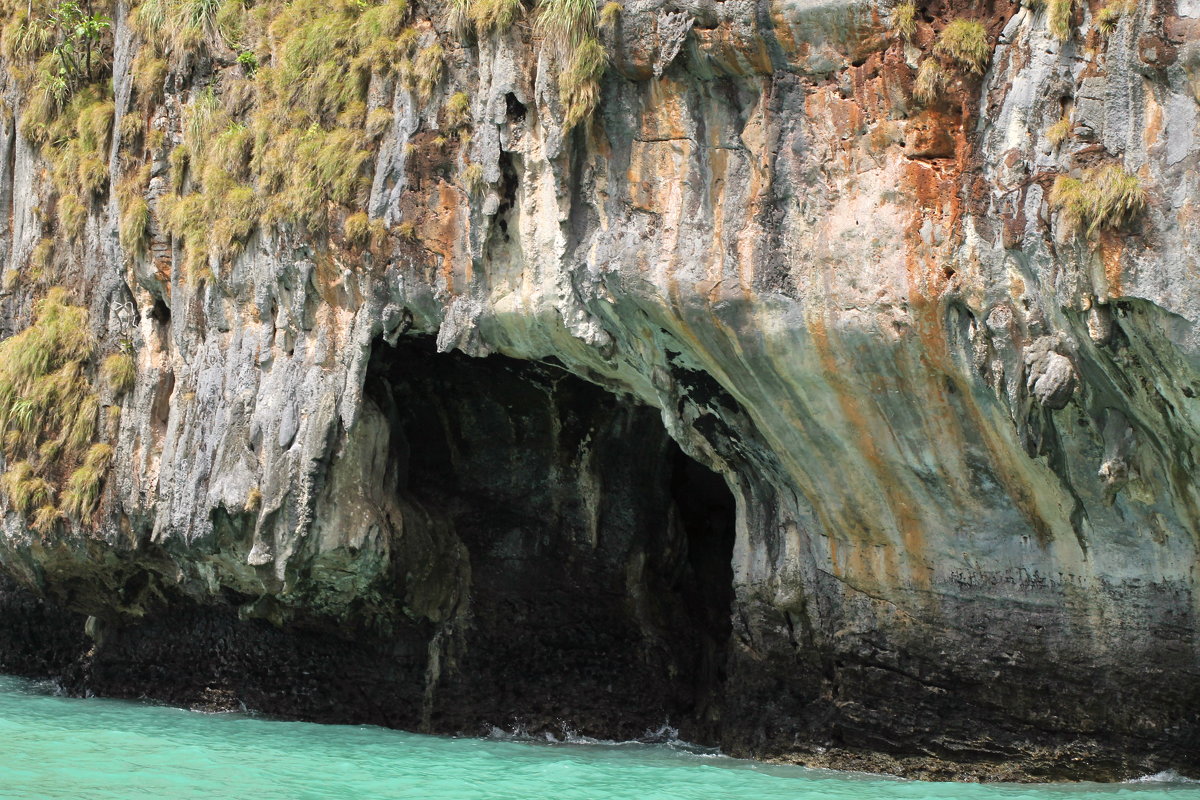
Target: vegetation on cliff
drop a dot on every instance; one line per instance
(965, 42)
(49, 415)
(1106, 197)
(904, 20)
(1108, 16)
(282, 132)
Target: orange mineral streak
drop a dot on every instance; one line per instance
(1154, 122)
(664, 108)
(844, 118)
(447, 233)
(1111, 248)
(937, 190)
(650, 166)
(730, 53)
(718, 165)
(898, 512)
(331, 275)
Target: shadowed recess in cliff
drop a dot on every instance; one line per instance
(600, 579)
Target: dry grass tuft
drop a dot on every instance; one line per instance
(1057, 133)
(565, 24)
(579, 83)
(472, 179)
(357, 229)
(119, 372)
(48, 412)
(494, 16)
(458, 109)
(1107, 197)
(904, 20)
(1108, 17)
(82, 493)
(931, 82)
(428, 68)
(965, 42)
(1058, 18)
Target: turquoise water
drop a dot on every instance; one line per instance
(55, 747)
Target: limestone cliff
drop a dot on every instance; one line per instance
(818, 377)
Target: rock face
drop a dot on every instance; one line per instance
(769, 403)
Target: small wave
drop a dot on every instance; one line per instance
(1166, 776)
(35, 686)
(664, 736)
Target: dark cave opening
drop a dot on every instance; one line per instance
(600, 577)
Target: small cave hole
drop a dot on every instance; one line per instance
(514, 109)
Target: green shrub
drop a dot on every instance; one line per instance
(248, 61)
(965, 42)
(1106, 197)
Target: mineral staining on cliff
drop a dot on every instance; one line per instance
(819, 376)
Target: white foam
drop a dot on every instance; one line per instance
(1166, 776)
(664, 735)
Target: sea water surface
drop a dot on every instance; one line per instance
(58, 747)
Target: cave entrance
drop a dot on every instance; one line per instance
(599, 586)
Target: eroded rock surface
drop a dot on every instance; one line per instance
(467, 478)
